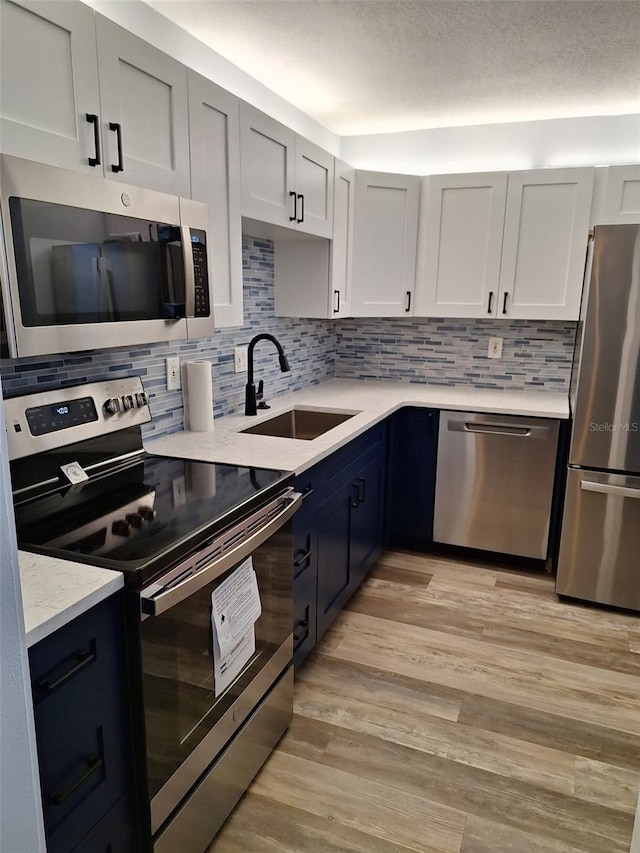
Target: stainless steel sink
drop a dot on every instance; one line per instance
(300, 423)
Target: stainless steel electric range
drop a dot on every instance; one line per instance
(193, 539)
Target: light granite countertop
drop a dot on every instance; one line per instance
(56, 591)
(372, 400)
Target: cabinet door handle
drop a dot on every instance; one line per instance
(307, 493)
(79, 660)
(116, 127)
(92, 765)
(294, 218)
(408, 305)
(355, 495)
(301, 197)
(92, 118)
(304, 557)
(304, 624)
(504, 302)
(361, 489)
(490, 305)
(336, 293)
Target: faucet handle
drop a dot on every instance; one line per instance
(260, 391)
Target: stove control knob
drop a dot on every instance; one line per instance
(146, 513)
(127, 402)
(142, 399)
(112, 406)
(120, 528)
(134, 519)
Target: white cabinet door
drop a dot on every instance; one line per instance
(314, 188)
(384, 244)
(214, 135)
(48, 82)
(621, 196)
(342, 244)
(267, 150)
(545, 243)
(144, 112)
(460, 244)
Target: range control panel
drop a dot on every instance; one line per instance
(50, 419)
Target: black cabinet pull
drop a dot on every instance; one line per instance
(302, 559)
(504, 302)
(79, 660)
(92, 118)
(307, 493)
(294, 218)
(361, 492)
(337, 303)
(92, 765)
(355, 495)
(301, 197)
(114, 126)
(490, 305)
(408, 307)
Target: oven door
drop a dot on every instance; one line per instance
(96, 265)
(190, 712)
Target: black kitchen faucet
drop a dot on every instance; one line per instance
(250, 407)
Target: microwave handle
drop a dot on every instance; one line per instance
(189, 275)
(154, 602)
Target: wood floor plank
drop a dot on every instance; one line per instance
(634, 642)
(484, 836)
(524, 806)
(439, 567)
(606, 784)
(563, 733)
(263, 825)
(369, 805)
(400, 575)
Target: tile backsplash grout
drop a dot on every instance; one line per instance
(536, 354)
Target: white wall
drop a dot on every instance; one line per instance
(21, 826)
(149, 25)
(594, 141)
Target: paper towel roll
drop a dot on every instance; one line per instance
(199, 397)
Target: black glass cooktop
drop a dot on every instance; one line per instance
(145, 515)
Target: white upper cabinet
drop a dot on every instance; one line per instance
(286, 180)
(545, 243)
(144, 112)
(384, 244)
(510, 246)
(79, 92)
(214, 134)
(620, 199)
(342, 244)
(49, 83)
(459, 250)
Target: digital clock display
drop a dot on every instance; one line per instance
(45, 419)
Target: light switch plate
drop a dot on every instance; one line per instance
(495, 348)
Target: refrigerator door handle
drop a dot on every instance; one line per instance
(605, 489)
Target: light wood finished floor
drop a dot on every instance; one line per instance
(455, 707)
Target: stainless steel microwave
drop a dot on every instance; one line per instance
(89, 263)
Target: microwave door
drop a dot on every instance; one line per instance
(135, 273)
(81, 290)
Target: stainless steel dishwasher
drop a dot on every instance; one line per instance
(494, 482)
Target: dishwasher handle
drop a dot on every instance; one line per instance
(157, 599)
(607, 489)
(498, 428)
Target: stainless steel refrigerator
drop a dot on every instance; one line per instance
(600, 543)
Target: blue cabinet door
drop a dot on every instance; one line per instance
(367, 519)
(334, 567)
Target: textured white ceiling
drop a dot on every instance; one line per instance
(377, 66)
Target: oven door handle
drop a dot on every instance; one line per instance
(154, 602)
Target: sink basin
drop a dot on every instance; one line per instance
(300, 423)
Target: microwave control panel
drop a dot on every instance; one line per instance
(202, 307)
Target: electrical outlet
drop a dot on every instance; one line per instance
(173, 374)
(240, 359)
(495, 348)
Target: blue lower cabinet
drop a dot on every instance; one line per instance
(304, 620)
(78, 678)
(413, 448)
(342, 521)
(115, 833)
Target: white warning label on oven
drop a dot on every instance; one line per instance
(235, 607)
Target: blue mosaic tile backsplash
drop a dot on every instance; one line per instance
(535, 354)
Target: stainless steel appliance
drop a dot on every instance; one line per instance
(600, 542)
(89, 263)
(494, 482)
(178, 530)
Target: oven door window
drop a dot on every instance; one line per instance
(84, 266)
(180, 703)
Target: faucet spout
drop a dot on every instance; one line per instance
(250, 407)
